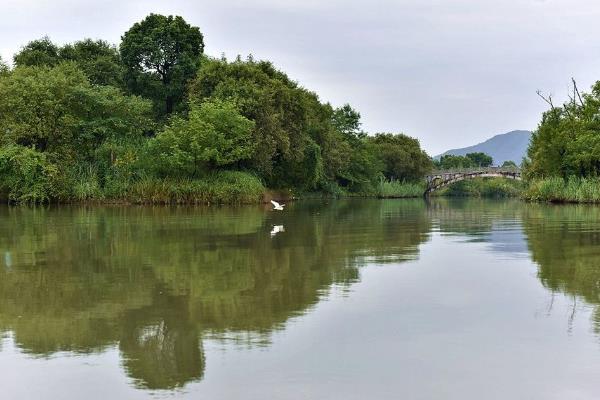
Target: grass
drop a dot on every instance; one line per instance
(558, 190)
(225, 187)
(390, 189)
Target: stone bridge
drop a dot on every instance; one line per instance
(440, 179)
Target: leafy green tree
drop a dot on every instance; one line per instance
(363, 169)
(215, 135)
(58, 113)
(37, 53)
(161, 54)
(567, 141)
(99, 60)
(509, 164)
(402, 157)
(288, 119)
(480, 159)
(57, 110)
(451, 161)
(347, 121)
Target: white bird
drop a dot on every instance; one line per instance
(277, 206)
(276, 229)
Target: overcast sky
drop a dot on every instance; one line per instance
(449, 72)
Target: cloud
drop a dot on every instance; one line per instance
(450, 72)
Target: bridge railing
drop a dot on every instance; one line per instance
(475, 170)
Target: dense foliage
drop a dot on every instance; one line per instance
(563, 158)
(156, 117)
(160, 55)
(567, 141)
(97, 59)
(470, 160)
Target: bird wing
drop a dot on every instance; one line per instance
(276, 204)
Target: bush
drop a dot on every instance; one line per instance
(26, 175)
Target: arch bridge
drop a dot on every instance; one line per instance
(440, 179)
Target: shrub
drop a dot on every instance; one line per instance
(26, 175)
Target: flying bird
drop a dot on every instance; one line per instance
(277, 206)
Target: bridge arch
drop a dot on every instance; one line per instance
(440, 179)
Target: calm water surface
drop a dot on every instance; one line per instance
(362, 299)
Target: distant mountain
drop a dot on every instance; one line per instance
(511, 146)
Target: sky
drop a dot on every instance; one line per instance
(451, 73)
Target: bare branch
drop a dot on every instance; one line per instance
(546, 99)
(576, 91)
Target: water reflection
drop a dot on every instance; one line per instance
(155, 281)
(565, 242)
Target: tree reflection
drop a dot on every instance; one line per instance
(155, 281)
(565, 242)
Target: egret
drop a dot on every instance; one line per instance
(277, 229)
(277, 206)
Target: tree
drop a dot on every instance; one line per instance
(96, 58)
(480, 159)
(39, 52)
(161, 54)
(214, 136)
(288, 119)
(450, 161)
(402, 157)
(347, 121)
(509, 164)
(99, 60)
(57, 110)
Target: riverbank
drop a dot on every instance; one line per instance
(224, 187)
(236, 187)
(558, 190)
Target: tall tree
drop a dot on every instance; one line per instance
(98, 59)
(480, 159)
(161, 54)
(286, 117)
(214, 136)
(347, 121)
(39, 52)
(402, 157)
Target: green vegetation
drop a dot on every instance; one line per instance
(563, 163)
(573, 190)
(400, 189)
(471, 160)
(155, 120)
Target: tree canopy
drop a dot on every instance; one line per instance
(94, 122)
(160, 55)
(470, 160)
(97, 59)
(566, 142)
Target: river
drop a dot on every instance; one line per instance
(347, 299)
